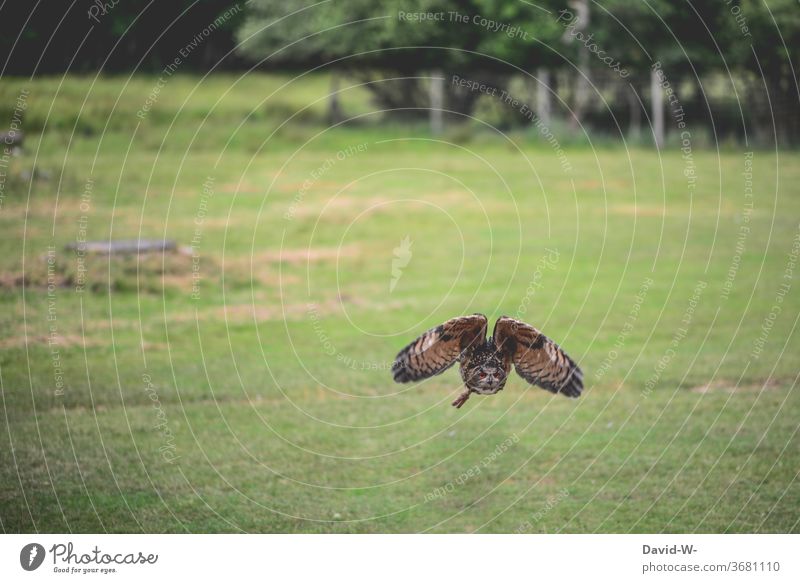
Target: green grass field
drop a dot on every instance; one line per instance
(243, 385)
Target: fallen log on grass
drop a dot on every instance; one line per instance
(125, 246)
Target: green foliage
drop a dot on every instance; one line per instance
(387, 34)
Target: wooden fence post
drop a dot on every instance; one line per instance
(657, 105)
(543, 96)
(436, 102)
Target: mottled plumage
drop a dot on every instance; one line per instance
(486, 363)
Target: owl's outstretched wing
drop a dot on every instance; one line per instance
(438, 348)
(537, 359)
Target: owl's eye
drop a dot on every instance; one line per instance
(482, 375)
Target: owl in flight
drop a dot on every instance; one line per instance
(486, 364)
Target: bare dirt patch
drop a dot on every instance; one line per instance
(342, 205)
(638, 210)
(730, 387)
(308, 255)
(288, 310)
(240, 188)
(61, 340)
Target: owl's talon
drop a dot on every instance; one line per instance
(462, 398)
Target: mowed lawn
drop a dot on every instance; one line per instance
(243, 383)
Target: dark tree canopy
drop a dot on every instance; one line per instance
(757, 41)
(53, 37)
(390, 34)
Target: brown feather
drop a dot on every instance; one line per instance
(536, 358)
(439, 348)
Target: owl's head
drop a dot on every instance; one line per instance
(486, 375)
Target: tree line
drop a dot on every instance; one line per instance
(589, 63)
